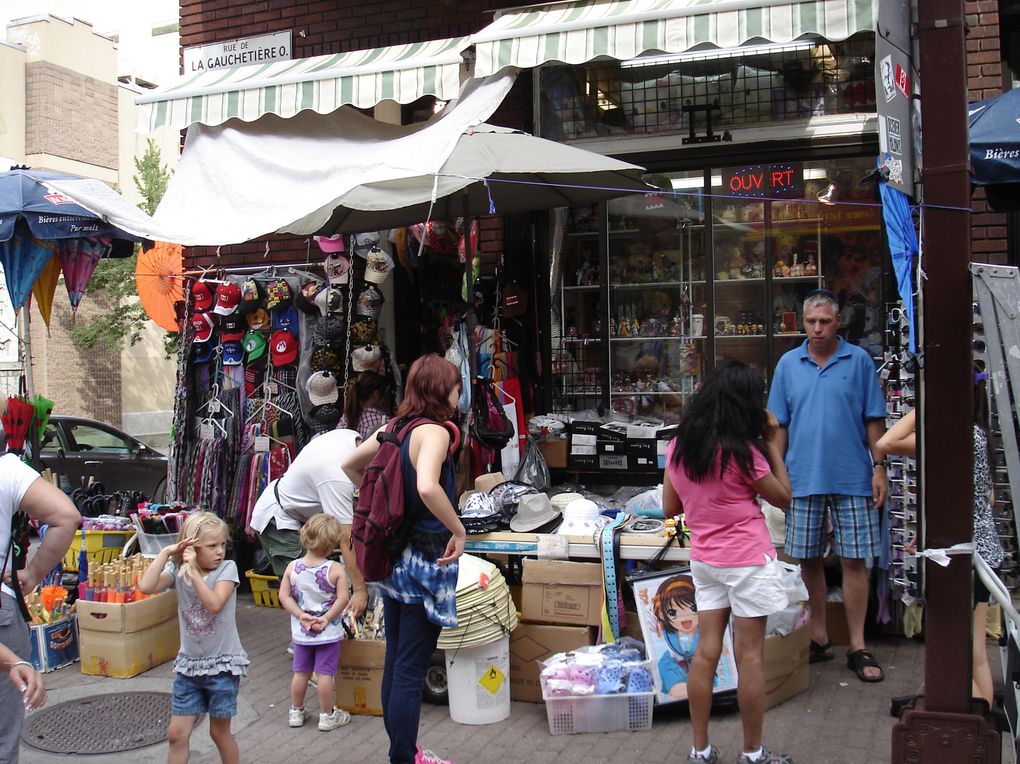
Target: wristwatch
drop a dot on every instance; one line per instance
(880, 463)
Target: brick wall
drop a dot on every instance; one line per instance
(70, 115)
(984, 80)
(320, 28)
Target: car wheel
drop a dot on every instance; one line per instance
(436, 690)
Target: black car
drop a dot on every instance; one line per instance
(75, 448)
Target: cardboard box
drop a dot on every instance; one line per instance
(359, 678)
(532, 643)
(643, 463)
(786, 666)
(641, 446)
(583, 461)
(554, 452)
(561, 592)
(54, 645)
(584, 427)
(612, 461)
(610, 447)
(835, 622)
(613, 431)
(123, 640)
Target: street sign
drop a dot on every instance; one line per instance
(264, 49)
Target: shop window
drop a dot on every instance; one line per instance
(734, 88)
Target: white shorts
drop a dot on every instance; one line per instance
(750, 591)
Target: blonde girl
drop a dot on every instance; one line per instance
(211, 661)
(313, 590)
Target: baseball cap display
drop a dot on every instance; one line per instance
(364, 242)
(325, 359)
(305, 298)
(379, 266)
(366, 358)
(330, 331)
(252, 295)
(254, 344)
(201, 352)
(232, 328)
(369, 302)
(321, 388)
(283, 348)
(338, 269)
(330, 300)
(286, 318)
(202, 295)
(202, 324)
(228, 297)
(233, 353)
(364, 331)
(330, 244)
(324, 418)
(278, 294)
(259, 319)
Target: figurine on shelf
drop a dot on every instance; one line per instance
(810, 269)
(676, 326)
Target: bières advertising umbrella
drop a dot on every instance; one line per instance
(24, 257)
(995, 148)
(45, 288)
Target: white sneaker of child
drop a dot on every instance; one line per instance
(297, 716)
(338, 718)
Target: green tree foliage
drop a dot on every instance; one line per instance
(113, 282)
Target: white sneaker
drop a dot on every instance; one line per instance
(297, 716)
(338, 718)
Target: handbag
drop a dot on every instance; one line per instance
(489, 425)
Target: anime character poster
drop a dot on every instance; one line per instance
(669, 623)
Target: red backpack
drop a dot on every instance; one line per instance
(379, 532)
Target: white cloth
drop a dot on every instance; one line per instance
(241, 180)
(313, 483)
(15, 478)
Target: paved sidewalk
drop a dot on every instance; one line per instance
(838, 720)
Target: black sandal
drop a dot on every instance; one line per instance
(858, 660)
(819, 652)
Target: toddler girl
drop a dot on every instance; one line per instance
(314, 591)
(211, 661)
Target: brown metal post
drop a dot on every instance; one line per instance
(940, 727)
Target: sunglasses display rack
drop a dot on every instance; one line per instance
(898, 377)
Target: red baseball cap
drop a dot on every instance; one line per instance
(202, 323)
(203, 296)
(228, 297)
(283, 347)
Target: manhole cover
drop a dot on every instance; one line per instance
(101, 724)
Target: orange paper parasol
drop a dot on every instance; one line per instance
(45, 287)
(159, 280)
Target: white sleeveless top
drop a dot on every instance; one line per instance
(314, 594)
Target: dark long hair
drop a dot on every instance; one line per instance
(726, 415)
(359, 390)
(427, 390)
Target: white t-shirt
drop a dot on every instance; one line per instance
(15, 478)
(313, 483)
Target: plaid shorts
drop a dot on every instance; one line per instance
(855, 521)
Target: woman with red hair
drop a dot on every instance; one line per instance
(419, 596)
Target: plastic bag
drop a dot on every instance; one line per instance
(533, 470)
(646, 502)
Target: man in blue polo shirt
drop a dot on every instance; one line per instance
(826, 397)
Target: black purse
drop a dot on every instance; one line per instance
(489, 425)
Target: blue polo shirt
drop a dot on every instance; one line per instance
(825, 411)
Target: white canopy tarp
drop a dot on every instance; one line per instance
(241, 180)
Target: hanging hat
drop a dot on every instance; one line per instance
(232, 328)
(366, 358)
(324, 359)
(322, 389)
(233, 353)
(283, 348)
(324, 418)
(287, 319)
(378, 267)
(258, 319)
(202, 324)
(201, 352)
(202, 295)
(252, 296)
(580, 518)
(330, 300)
(369, 302)
(364, 331)
(228, 297)
(305, 298)
(329, 331)
(278, 294)
(330, 244)
(338, 268)
(534, 510)
(364, 242)
(254, 344)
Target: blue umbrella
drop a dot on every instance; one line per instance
(25, 196)
(903, 246)
(995, 148)
(24, 257)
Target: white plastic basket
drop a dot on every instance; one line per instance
(599, 713)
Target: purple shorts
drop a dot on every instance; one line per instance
(322, 659)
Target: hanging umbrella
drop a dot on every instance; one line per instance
(16, 421)
(158, 280)
(24, 257)
(45, 288)
(995, 148)
(78, 260)
(42, 406)
(491, 170)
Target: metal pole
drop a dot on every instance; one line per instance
(941, 726)
(25, 330)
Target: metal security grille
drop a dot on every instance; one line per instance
(743, 86)
(100, 724)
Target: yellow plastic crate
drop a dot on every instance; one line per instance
(100, 546)
(265, 589)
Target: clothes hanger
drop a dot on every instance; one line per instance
(306, 274)
(214, 393)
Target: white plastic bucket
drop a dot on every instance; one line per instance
(479, 682)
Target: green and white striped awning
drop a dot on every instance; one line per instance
(582, 30)
(362, 78)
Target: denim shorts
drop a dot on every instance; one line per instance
(215, 695)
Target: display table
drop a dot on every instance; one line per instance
(633, 546)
